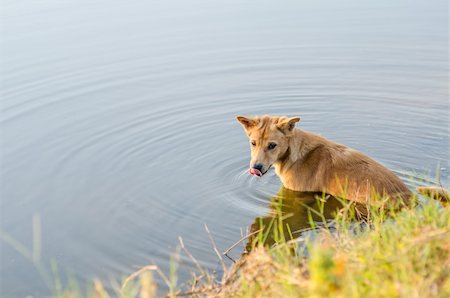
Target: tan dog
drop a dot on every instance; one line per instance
(308, 162)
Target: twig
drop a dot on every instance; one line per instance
(230, 258)
(199, 267)
(240, 240)
(215, 248)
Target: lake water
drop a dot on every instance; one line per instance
(118, 129)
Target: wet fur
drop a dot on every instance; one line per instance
(308, 162)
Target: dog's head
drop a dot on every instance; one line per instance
(269, 140)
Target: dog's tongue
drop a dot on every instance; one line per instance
(255, 172)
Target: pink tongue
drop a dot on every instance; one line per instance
(255, 172)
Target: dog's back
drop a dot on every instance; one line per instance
(341, 171)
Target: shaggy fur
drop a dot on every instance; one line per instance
(308, 162)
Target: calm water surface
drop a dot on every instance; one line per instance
(117, 117)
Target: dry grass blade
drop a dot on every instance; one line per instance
(99, 290)
(197, 264)
(136, 274)
(215, 248)
(240, 240)
(433, 235)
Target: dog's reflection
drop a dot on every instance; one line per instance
(291, 213)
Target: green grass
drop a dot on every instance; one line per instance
(389, 254)
(352, 252)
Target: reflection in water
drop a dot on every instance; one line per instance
(292, 213)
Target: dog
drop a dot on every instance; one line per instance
(307, 162)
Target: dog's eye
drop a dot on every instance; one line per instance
(253, 143)
(271, 146)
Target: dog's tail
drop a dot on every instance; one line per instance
(435, 192)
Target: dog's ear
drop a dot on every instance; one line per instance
(247, 122)
(286, 124)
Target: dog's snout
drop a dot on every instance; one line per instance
(258, 167)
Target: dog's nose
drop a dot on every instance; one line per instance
(258, 167)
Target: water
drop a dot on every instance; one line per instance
(118, 126)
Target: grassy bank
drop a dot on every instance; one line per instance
(405, 255)
(387, 254)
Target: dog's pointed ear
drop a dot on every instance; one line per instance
(287, 124)
(247, 122)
